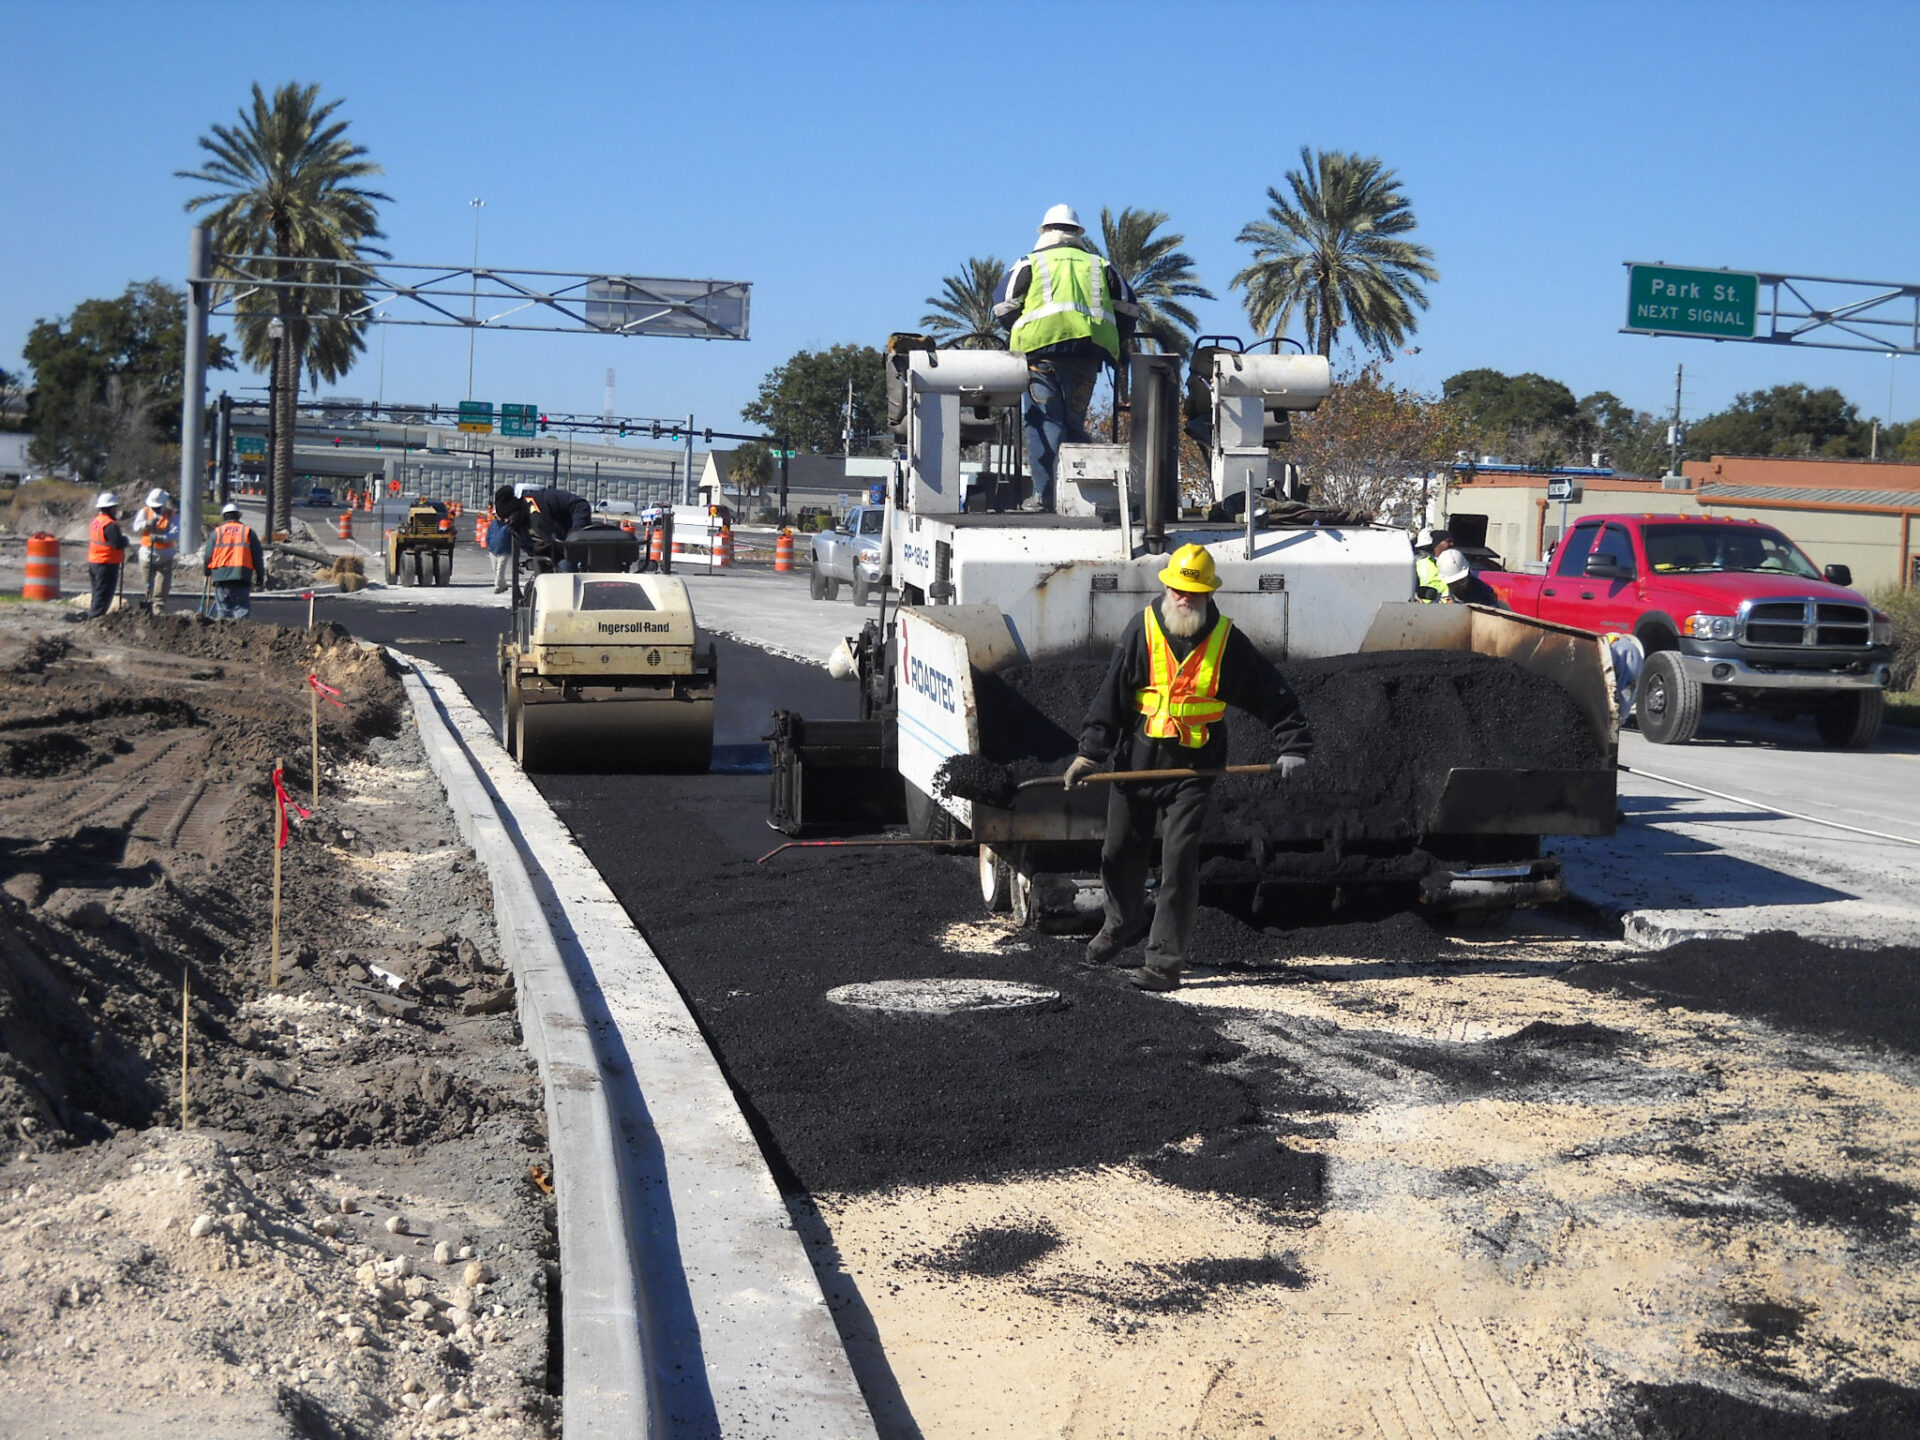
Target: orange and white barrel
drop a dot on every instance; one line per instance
(653, 546)
(43, 567)
(346, 525)
(783, 551)
(480, 530)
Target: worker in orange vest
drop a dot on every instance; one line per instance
(106, 552)
(234, 562)
(1163, 705)
(157, 529)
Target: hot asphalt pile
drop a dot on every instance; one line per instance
(1387, 728)
(136, 816)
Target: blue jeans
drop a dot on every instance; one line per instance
(232, 600)
(1058, 393)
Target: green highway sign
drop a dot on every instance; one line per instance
(249, 445)
(476, 417)
(1720, 304)
(520, 421)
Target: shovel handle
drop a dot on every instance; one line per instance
(1109, 776)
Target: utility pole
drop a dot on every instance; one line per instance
(1673, 430)
(846, 428)
(688, 492)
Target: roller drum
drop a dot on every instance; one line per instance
(613, 736)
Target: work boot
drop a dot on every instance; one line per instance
(1155, 978)
(1110, 942)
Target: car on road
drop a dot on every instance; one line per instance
(849, 554)
(1730, 613)
(320, 495)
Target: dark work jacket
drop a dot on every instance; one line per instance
(1248, 681)
(561, 513)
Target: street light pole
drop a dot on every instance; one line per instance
(276, 332)
(473, 299)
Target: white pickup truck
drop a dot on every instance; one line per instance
(849, 553)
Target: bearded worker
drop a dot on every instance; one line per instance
(1162, 706)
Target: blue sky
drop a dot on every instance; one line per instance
(845, 157)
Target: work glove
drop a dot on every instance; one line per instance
(1287, 764)
(1078, 771)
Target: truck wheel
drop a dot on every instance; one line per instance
(860, 589)
(816, 584)
(1852, 720)
(409, 565)
(833, 588)
(996, 880)
(1668, 702)
(442, 568)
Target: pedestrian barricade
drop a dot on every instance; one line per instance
(783, 551)
(43, 567)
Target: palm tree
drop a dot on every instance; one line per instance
(1334, 252)
(284, 183)
(962, 315)
(1160, 272)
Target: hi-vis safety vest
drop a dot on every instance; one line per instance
(1067, 299)
(1180, 701)
(99, 552)
(230, 548)
(1426, 576)
(153, 537)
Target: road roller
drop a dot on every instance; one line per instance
(420, 548)
(604, 670)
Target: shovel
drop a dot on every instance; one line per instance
(1109, 776)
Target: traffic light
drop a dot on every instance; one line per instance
(336, 442)
(706, 436)
(656, 429)
(543, 424)
(623, 432)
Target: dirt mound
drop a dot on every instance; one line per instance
(1387, 728)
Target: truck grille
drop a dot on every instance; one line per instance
(1806, 622)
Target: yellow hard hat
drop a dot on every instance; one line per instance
(1190, 568)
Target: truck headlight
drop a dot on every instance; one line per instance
(1880, 629)
(1709, 627)
(869, 557)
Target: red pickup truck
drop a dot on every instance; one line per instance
(1731, 613)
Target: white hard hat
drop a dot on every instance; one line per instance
(1060, 217)
(1424, 540)
(1453, 567)
(232, 507)
(107, 501)
(156, 499)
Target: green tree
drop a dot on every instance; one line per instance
(802, 401)
(109, 378)
(1527, 419)
(1160, 273)
(13, 400)
(749, 468)
(1336, 252)
(1634, 442)
(1785, 420)
(960, 317)
(285, 183)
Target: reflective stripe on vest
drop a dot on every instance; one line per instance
(99, 552)
(1066, 300)
(150, 537)
(1180, 701)
(230, 548)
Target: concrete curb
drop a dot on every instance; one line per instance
(721, 1300)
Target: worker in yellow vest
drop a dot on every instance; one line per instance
(106, 553)
(156, 529)
(1069, 312)
(1176, 668)
(234, 562)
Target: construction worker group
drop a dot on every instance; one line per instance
(234, 558)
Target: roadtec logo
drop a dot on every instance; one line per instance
(934, 684)
(634, 627)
